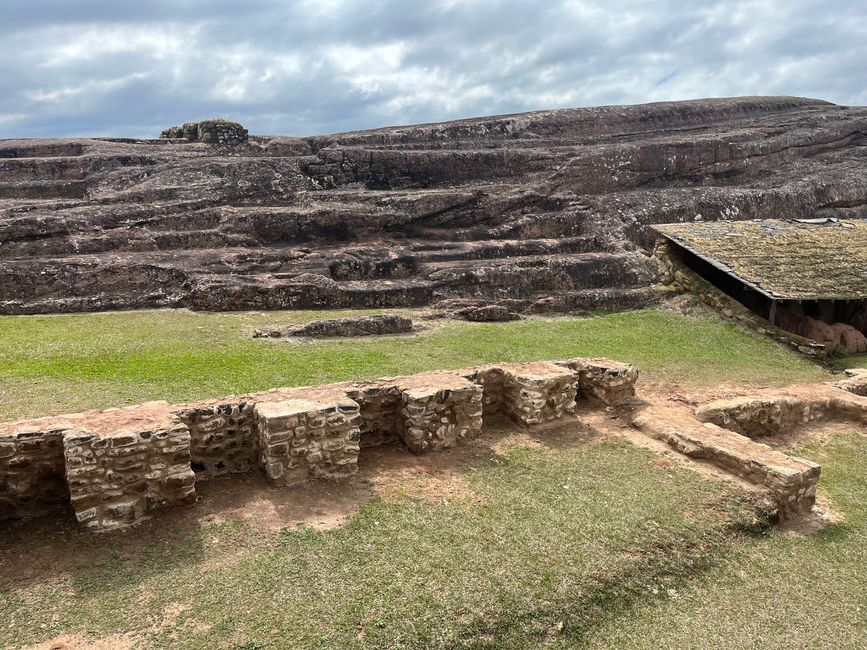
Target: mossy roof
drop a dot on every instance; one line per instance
(784, 259)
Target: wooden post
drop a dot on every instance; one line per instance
(773, 312)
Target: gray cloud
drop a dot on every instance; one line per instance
(99, 67)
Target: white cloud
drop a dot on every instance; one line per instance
(328, 65)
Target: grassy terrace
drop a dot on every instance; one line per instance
(580, 541)
(54, 364)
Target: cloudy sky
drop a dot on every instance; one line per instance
(133, 67)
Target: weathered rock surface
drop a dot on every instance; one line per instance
(375, 325)
(548, 208)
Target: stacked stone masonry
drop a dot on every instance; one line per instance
(121, 479)
(538, 393)
(780, 412)
(438, 411)
(603, 380)
(117, 467)
(222, 437)
(32, 471)
(789, 481)
(380, 405)
(302, 439)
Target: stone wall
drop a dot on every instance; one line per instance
(118, 480)
(302, 439)
(538, 393)
(492, 380)
(222, 437)
(32, 471)
(439, 410)
(119, 466)
(380, 405)
(790, 482)
(603, 380)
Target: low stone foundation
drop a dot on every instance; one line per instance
(603, 380)
(302, 439)
(789, 481)
(538, 393)
(119, 466)
(222, 437)
(772, 413)
(119, 478)
(438, 411)
(380, 405)
(855, 382)
(32, 477)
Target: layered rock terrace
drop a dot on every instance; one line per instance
(536, 212)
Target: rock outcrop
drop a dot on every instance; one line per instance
(542, 211)
(375, 325)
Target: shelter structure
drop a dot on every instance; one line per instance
(806, 276)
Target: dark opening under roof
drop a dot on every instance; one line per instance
(785, 259)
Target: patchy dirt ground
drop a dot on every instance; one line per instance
(55, 547)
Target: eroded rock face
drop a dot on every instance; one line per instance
(375, 325)
(548, 210)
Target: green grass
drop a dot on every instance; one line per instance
(53, 364)
(570, 534)
(776, 591)
(857, 361)
(578, 546)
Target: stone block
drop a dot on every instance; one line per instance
(222, 437)
(603, 380)
(790, 481)
(439, 410)
(536, 393)
(300, 439)
(111, 490)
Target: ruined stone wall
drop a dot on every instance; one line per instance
(302, 439)
(32, 472)
(119, 465)
(491, 379)
(379, 405)
(603, 380)
(439, 412)
(222, 437)
(790, 482)
(119, 480)
(538, 393)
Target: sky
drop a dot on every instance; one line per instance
(133, 68)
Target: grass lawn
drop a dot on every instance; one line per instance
(567, 535)
(588, 544)
(857, 361)
(571, 543)
(777, 590)
(55, 364)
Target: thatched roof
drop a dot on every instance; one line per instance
(803, 259)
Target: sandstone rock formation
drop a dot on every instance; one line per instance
(374, 325)
(542, 211)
